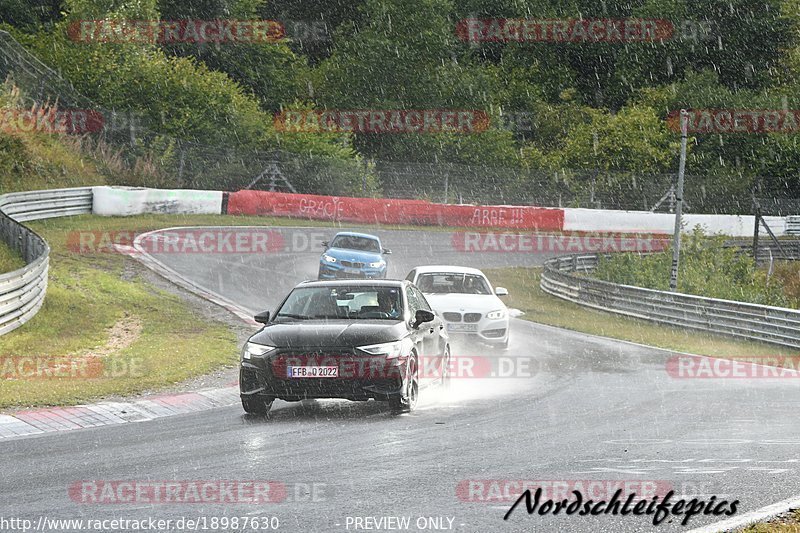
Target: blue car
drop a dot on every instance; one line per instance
(353, 256)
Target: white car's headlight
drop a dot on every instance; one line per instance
(376, 264)
(329, 258)
(495, 315)
(390, 350)
(251, 349)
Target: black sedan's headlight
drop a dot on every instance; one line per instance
(252, 349)
(390, 350)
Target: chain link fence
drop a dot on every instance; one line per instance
(139, 148)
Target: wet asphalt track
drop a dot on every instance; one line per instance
(594, 409)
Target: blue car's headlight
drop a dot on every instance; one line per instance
(377, 264)
(329, 258)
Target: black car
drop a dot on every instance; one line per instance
(358, 340)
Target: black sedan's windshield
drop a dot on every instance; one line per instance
(348, 303)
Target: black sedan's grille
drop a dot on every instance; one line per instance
(452, 317)
(472, 317)
(352, 264)
(316, 353)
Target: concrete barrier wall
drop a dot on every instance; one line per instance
(126, 201)
(606, 220)
(393, 211)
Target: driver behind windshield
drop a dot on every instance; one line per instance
(356, 243)
(475, 285)
(388, 302)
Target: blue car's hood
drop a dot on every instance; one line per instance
(353, 255)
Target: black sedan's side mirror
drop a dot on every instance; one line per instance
(262, 317)
(422, 316)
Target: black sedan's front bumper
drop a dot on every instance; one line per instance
(359, 377)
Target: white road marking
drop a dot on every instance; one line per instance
(752, 517)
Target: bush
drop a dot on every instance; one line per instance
(787, 274)
(707, 268)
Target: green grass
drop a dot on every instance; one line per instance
(525, 295)
(790, 524)
(155, 221)
(9, 259)
(86, 296)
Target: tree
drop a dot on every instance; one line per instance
(269, 70)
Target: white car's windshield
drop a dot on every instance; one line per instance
(453, 282)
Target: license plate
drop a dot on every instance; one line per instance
(348, 270)
(462, 327)
(312, 371)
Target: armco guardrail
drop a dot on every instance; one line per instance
(22, 291)
(786, 249)
(793, 225)
(561, 278)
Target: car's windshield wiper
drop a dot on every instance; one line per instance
(292, 315)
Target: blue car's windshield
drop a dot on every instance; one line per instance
(342, 302)
(351, 242)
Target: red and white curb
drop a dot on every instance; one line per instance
(53, 419)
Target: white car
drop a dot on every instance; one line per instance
(464, 298)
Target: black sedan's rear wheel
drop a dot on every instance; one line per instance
(257, 405)
(406, 401)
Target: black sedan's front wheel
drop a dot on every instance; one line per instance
(257, 405)
(446, 378)
(406, 401)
